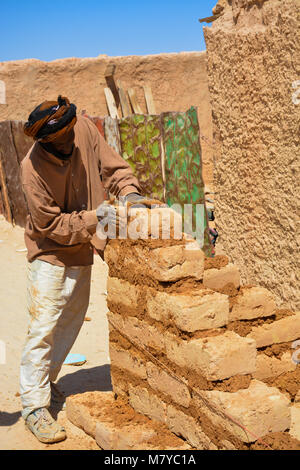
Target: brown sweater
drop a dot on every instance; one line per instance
(62, 196)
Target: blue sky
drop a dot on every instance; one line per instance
(55, 29)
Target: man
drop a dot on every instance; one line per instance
(65, 176)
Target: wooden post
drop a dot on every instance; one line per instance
(5, 192)
(111, 104)
(149, 100)
(15, 197)
(126, 111)
(2, 92)
(210, 19)
(110, 81)
(134, 103)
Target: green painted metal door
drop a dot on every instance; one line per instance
(183, 166)
(140, 137)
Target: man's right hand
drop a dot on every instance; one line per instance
(109, 217)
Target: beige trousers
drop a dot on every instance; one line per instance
(58, 298)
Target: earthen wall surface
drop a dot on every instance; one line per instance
(253, 66)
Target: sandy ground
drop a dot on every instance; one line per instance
(92, 342)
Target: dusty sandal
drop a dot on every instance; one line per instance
(44, 427)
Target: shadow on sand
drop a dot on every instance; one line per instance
(86, 380)
(83, 380)
(8, 419)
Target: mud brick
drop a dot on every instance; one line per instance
(138, 331)
(147, 403)
(111, 254)
(201, 309)
(178, 422)
(166, 264)
(110, 436)
(183, 446)
(281, 331)
(176, 262)
(226, 445)
(171, 263)
(163, 382)
(125, 360)
(120, 387)
(186, 426)
(252, 302)
(216, 279)
(97, 414)
(79, 407)
(259, 408)
(122, 292)
(165, 435)
(267, 367)
(115, 321)
(215, 357)
(148, 446)
(295, 421)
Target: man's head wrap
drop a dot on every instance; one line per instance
(51, 120)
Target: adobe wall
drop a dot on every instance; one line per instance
(177, 82)
(253, 66)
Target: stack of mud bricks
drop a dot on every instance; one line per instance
(192, 349)
(197, 360)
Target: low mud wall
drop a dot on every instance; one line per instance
(178, 81)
